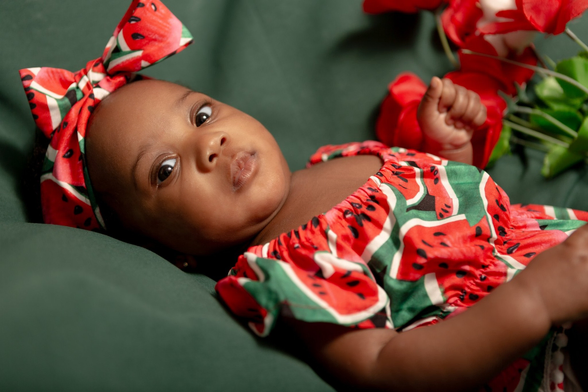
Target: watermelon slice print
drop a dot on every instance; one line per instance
(63, 206)
(147, 21)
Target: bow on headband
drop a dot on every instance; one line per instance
(61, 103)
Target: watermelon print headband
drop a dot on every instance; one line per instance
(62, 101)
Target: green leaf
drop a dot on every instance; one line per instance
(577, 69)
(502, 147)
(558, 159)
(568, 117)
(580, 144)
(551, 92)
(583, 54)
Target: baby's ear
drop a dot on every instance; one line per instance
(185, 262)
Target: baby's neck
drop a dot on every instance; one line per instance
(315, 190)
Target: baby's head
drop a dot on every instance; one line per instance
(179, 169)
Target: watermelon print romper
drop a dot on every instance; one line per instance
(421, 241)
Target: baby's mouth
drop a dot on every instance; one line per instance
(242, 168)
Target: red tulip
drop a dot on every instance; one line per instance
(460, 20)
(546, 16)
(407, 6)
(397, 124)
(507, 74)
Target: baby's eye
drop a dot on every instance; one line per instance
(203, 115)
(165, 170)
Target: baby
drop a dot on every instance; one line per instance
(372, 270)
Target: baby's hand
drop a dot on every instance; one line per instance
(448, 115)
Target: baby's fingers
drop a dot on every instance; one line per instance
(448, 95)
(459, 107)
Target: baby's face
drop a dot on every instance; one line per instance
(187, 171)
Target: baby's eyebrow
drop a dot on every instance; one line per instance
(181, 100)
(140, 155)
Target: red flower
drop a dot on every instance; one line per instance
(486, 137)
(397, 124)
(546, 16)
(459, 20)
(407, 6)
(506, 74)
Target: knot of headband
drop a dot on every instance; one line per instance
(62, 101)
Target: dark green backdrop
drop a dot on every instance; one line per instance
(81, 311)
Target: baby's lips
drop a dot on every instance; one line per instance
(242, 168)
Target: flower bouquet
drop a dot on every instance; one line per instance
(497, 59)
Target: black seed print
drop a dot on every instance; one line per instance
(32, 105)
(482, 277)
(460, 274)
(78, 210)
(87, 222)
(304, 226)
(354, 231)
(35, 117)
(311, 276)
(27, 89)
(90, 109)
(91, 96)
(347, 213)
(30, 96)
(370, 207)
(372, 190)
(473, 297)
(373, 199)
(315, 247)
(353, 283)
(489, 288)
(140, 5)
(379, 174)
(441, 215)
(346, 274)
(432, 169)
(64, 125)
(137, 36)
(80, 158)
(484, 266)
(279, 242)
(447, 206)
(530, 254)
(296, 246)
(495, 216)
(322, 293)
(436, 172)
(153, 7)
(276, 255)
(297, 234)
(422, 253)
(443, 265)
(436, 181)
(68, 153)
(317, 285)
(64, 198)
(134, 19)
(356, 205)
(360, 295)
(426, 243)
(444, 244)
(542, 227)
(438, 233)
(26, 77)
(481, 247)
(410, 154)
(444, 210)
(315, 221)
(289, 234)
(413, 164)
(478, 231)
(501, 231)
(71, 97)
(513, 248)
(417, 266)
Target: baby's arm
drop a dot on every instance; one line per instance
(448, 115)
(465, 351)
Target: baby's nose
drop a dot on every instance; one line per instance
(210, 145)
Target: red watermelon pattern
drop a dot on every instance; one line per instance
(421, 241)
(62, 102)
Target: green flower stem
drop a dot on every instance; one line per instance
(520, 121)
(534, 68)
(551, 119)
(526, 143)
(533, 133)
(576, 39)
(443, 39)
